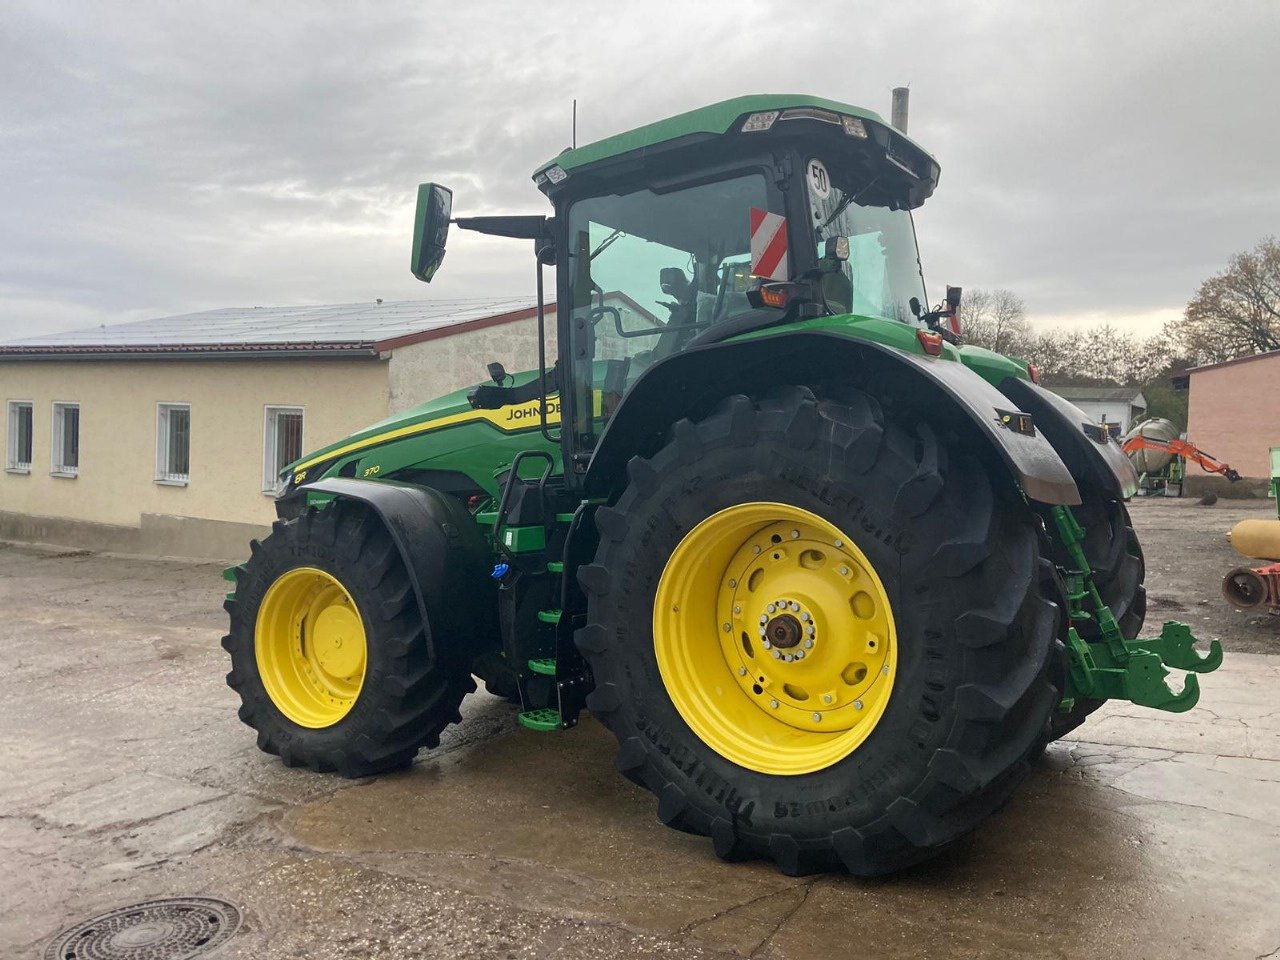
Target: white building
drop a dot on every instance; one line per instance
(1118, 407)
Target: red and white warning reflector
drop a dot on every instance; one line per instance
(769, 258)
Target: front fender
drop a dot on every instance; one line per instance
(689, 383)
(443, 551)
(1093, 458)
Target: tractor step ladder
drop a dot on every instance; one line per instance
(543, 720)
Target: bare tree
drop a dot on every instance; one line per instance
(996, 319)
(1055, 354)
(1110, 354)
(1235, 312)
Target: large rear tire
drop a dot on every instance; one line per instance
(329, 652)
(963, 634)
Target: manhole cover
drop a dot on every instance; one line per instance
(155, 930)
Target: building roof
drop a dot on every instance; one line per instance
(1101, 394)
(1227, 363)
(348, 329)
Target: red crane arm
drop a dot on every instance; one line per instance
(1184, 449)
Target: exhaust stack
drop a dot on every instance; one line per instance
(898, 115)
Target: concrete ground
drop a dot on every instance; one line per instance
(124, 775)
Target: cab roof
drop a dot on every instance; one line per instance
(715, 119)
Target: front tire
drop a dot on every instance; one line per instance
(328, 649)
(969, 635)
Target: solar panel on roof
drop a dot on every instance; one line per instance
(344, 323)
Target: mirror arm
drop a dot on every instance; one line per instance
(533, 227)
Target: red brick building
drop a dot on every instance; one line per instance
(1234, 414)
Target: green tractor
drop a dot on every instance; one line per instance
(832, 578)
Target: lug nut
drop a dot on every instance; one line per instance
(799, 654)
(844, 571)
(728, 628)
(765, 643)
(826, 697)
(795, 534)
(755, 549)
(763, 619)
(808, 644)
(810, 631)
(772, 608)
(839, 543)
(742, 671)
(774, 704)
(817, 717)
(805, 616)
(885, 669)
(777, 654)
(857, 704)
(733, 583)
(737, 610)
(795, 607)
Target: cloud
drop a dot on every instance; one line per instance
(1099, 159)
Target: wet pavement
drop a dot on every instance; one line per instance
(124, 775)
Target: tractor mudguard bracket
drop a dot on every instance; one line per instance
(1114, 668)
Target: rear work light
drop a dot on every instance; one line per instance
(931, 342)
(760, 121)
(853, 127)
(1033, 372)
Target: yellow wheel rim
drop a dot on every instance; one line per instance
(310, 645)
(775, 638)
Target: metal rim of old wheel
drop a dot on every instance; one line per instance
(169, 929)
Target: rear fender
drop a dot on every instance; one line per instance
(1093, 458)
(688, 384)
(444, 552)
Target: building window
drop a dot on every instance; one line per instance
(282, 444)
(66, 440)
(18, 448)
(173, 444)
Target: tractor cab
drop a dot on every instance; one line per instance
(718, 223)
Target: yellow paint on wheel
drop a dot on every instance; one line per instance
(310, 646)
(775, 638)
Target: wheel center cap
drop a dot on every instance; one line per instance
(336, 637)
(783, 631)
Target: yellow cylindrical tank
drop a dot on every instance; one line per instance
(1259, 539)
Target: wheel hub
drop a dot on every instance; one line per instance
(783, 631)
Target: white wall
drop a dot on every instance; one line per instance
(1115, 411)
(424, 371)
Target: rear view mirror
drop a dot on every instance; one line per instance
(430, 228)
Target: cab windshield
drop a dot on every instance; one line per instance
(883, 270)
(649, 271)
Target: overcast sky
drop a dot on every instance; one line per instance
(1098, 158)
